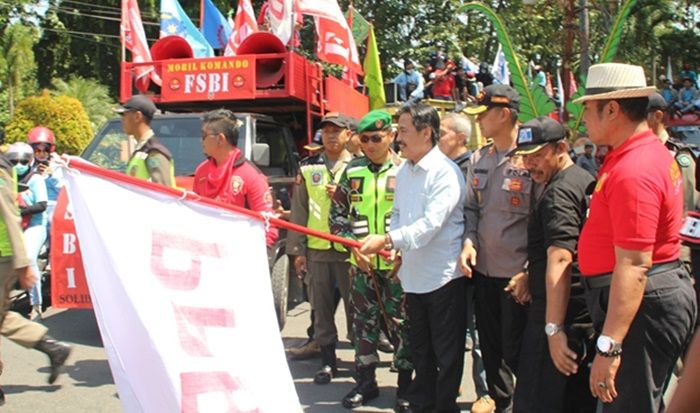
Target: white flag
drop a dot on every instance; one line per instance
(669, 70)
(281, 19)
(182, 297)
(500, 71)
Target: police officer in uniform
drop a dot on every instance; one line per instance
(496, 211)
(151, 160)
(322, 264)
(362, 206)
(682, 152)
(14, 267)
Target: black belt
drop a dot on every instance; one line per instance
(604, 280)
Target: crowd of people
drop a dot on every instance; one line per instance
(565, 274)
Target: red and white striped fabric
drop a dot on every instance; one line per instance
(243, 26)
(133, 38)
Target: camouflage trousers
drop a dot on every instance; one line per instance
(369, 321)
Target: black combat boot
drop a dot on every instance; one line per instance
(57, 351)
(329, 367)
(365, 390)
(404, 382)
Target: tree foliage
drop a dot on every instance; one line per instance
(93, 96)
(64, 115)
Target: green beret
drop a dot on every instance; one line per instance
(375, 120)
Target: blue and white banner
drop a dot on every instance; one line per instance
(174, 21)
(215, 27)
(500, 71)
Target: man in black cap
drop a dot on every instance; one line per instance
(322, 264)
(496, 210)
(552, 372)
(151, 160)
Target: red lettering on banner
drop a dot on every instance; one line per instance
(68, 284)
(180, 279)
(194, 384)
(191, 322)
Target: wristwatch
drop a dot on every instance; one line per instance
(607, 347)
(551, 329)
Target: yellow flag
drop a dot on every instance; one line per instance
(373, 74)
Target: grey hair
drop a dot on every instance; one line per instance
(459, 123)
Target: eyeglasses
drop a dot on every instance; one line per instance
(42, 148)
(16, 161)
(373, 138)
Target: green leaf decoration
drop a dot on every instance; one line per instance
(613, 42)
(534, 101)
(609, 52)
(576, 109)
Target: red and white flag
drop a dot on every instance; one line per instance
(185, 310)
(243, 26)
(133, 38)
(336, 44)
(280, 19)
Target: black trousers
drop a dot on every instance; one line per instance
(695, 264)
(541, 387)
(500, 322)
(658, 335)
(437, 332)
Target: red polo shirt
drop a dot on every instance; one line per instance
(637, 205)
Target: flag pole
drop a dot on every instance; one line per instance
(201, 14)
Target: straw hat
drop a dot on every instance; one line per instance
(615, 81)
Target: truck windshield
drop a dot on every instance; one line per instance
(182, 136)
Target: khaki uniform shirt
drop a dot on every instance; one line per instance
(158, 164)
(296, 242)
(499, 192)
(10, 216)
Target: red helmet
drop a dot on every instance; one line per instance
(41, 134)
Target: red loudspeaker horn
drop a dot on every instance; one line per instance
(166, 48)
(268, 72)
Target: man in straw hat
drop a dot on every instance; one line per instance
(638, 292)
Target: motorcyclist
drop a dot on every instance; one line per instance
(43, 142)
(33, 200)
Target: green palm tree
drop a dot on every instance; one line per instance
(17, 63)
(93, 95)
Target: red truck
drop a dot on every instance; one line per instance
(278, 94)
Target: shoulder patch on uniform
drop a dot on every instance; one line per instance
(684, 160)
(152, 162)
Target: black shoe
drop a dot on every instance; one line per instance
(57, 351)
(329, 367)
(2, 397)
(384, 345)
(365, 390)
(404, 382)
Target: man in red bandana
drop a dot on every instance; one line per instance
(226, 175)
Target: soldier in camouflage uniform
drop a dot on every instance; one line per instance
(362, 206)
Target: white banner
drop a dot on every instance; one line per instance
(182, 297)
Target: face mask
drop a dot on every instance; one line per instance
(21, 169)
(409, 71)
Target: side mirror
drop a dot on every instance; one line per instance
(261, 154)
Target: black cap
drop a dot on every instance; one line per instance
(139, 103)
(493, 96)
(534, 134)
(656, 102)
(316, 142)
(334, 118)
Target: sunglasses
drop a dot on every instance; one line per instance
(41, 149)
(16, 161)
(373, 138)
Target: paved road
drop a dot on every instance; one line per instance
(88, 386)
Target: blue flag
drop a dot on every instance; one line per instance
(214, 26)
(174, 21)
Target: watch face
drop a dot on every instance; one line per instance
(604, 344)
(551, 329)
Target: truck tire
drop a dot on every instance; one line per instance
(280, 288)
